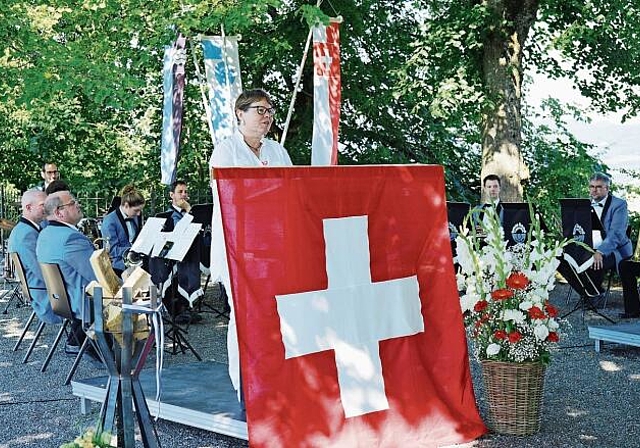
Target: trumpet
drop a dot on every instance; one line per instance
(132, 258)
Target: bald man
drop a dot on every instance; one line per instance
(23, 241)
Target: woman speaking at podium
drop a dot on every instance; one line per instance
(246, 147)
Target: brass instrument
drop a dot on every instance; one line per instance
(5, 224)
(132, 258)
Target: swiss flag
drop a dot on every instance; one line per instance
(349, 324)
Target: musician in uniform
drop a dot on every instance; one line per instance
(22, 241)
(121, 227)
(61, 243)
(187, 271)
(611, 244)
(49, 173)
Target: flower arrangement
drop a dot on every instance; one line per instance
(505, 291)
(90, 439)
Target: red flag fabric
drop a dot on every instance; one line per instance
(327, 360)
(326, 93)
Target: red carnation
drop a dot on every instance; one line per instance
(536, 313)
(501, 294)
(551, 310)
(553, 337)
(514, 337)
(500, 335)
(481, 305)
(517, 280)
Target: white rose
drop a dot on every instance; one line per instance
(553, 325)
(541, 332)
(468, 301)
(524, 306)
(493, 349)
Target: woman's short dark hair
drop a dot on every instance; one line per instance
(248, 97)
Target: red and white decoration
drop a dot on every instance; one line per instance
(349, 324)
(326, 94)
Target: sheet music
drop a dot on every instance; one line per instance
(182, 241)
(148, 236)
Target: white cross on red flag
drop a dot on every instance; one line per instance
(349, 324)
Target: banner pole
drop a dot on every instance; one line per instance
(201, 82)
(295, 87)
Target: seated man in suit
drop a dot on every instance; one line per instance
(187, 272)
(23, 242)
(611, 245)
(61, 243)
(121, 227)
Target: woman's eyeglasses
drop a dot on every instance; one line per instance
(263, 110)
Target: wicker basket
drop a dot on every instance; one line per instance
(514, 392)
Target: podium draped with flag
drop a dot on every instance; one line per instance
(348, 318)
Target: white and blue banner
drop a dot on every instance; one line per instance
(222, 68)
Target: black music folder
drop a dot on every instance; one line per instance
(516, 222)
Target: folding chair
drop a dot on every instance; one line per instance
(11, 285)
(26, 294)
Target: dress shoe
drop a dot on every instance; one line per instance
(629, 315)
(70, 349)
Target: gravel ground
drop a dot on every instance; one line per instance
(590, 399)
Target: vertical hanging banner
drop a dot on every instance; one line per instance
(173, 86)
(349, 323)
(326, 93)
(222, 68)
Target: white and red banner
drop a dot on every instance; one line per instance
(349, 324)
(326, 94)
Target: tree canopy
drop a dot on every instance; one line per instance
(427, 81)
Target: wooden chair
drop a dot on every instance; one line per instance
(26, 294)
(59, 299)
(61, 305)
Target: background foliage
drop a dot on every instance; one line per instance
(83, 87)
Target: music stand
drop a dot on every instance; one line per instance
(203, 214)
(577, 223)
(168, 248)
(516, 222)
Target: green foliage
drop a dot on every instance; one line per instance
(560, 164)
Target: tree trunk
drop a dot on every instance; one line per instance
(502, 65)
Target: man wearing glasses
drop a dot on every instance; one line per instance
(49, 173)
(62, 243)
(611, 244)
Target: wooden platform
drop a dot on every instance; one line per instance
(199, 395)
(628, 334)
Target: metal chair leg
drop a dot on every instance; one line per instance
(63, 328)
(33, 343)
(24, 331)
